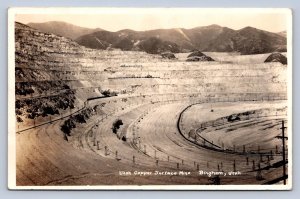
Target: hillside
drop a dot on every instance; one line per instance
(63, 29)
(254, 41)
(127, 40)
(211, 38)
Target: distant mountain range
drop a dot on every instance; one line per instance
(63, 29)
(213, 38)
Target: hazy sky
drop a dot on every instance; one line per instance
(146, 19)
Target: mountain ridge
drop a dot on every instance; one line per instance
(248, 40)
(63, 29)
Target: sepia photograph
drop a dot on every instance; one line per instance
(150, 98)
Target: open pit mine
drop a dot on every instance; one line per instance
(110, 117)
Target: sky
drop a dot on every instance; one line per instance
(114, 19)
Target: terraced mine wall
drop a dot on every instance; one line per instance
(55, 75)
(194, 134)
(60, 83)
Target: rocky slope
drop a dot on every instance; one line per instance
(45, 78)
